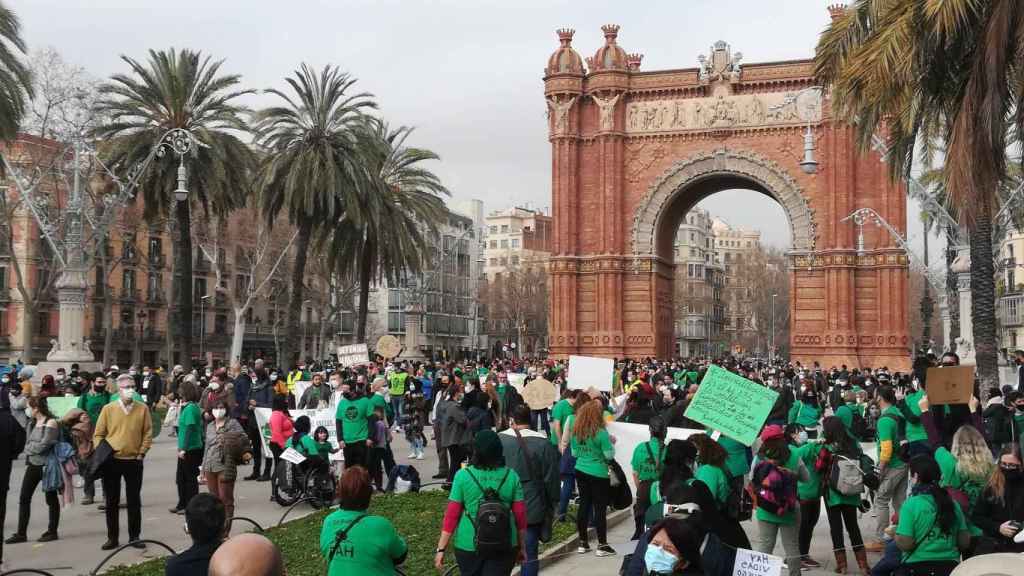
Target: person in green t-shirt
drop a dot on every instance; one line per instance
(932, 531)
(808, 491)
(486, 471)
(351, 420)
(355, 542)
(562, 410)
(396, 383)
(841, 509)
(593, 448)
(648, 459)
(967, 465)
(772, 527)
(892, 471)
(190, 445)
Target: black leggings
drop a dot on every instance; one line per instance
(810, 511)
(187, 477)
(593, 499)
(33, 476)
(839, 515)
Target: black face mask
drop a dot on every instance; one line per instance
(1013, 475)
(1019, 407)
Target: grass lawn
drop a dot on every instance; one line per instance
(416, 516)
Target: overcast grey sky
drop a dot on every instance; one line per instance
(466, 73)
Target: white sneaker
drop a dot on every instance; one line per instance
(419, 456)
(411, 456)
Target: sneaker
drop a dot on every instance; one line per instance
(109, 545)
(47, 537)
(136, 543)
(809, 564)
(87, 501)
(583, 549)
(604, 550)
(411, 456)
(419, 456)
(16, 539)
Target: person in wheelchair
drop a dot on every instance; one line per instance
(306, 445)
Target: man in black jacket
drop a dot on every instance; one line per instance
(535, 459)
(204, 521)
(12, 442)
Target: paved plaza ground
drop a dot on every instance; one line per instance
(82, 528)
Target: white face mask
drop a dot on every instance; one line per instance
(273, 377)
(6, 380)
(29, 412)
(60, 377)
(468, 388)
(145, 374)
(126, 393)
(214, 385)
(208, 373)
(131, 372)
(219, 413)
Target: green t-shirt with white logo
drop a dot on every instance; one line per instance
(647, 459)
(353, 415)
(593, 454)
(466, 492)
(919, 520)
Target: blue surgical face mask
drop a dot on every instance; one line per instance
(658, 560)
(802, 437)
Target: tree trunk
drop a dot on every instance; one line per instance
(28, 328)
(365, 263)
(184, 293)
(239, 335)
(983, 302)
(291, 331)
(108, 327)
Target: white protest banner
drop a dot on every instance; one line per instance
(750, 563)
(587, 372)
(292, 455)
(353, 355)
(323, 417)
(629, 436)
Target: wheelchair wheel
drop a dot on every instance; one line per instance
(320, 486)
(290, 485)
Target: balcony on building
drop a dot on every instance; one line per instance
(1010, 309)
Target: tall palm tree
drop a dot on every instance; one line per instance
(313, 167)
(402, 207)
(953, 71)
(15, 80)
(179, 90)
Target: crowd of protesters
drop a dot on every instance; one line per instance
(943, 482)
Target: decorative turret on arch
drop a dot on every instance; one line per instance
(760, 173)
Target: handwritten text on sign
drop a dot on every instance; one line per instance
(731, 404)
(750, 563)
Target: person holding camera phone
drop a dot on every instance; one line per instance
(999, 512)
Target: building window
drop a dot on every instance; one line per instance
(154, 285)
(504, 228)
(128, 248)
(220, 323)
(515, 260)
(515, 242)
(128, 281)
(241, 285)
(127, 317)
(1013, 339)
(494, 244)
(199, 289)
(504, 243)
(504, 261)
(1011, 278)
(494, 229)
(42, 323)
(156, 250)
(396, 322)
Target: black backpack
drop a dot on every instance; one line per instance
(902, 448)
(493, 520)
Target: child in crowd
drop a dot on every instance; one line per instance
(380, 434)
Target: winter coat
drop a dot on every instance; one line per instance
(456, 430)
(224, 449)
(540, 479)
(989, 514)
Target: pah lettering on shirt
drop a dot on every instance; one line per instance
(750, 563)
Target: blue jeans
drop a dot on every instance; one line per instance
(568, 484)
(531, 545)
(396, 407)
(891, 560)
(539, 421)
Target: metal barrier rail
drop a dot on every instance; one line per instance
(292, 507)
(27, 571)
(96, 570)
(249, 521)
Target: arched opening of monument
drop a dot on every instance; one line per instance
(729, 240)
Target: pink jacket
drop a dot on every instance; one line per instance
(280, 428)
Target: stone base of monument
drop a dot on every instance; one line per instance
(51, 366)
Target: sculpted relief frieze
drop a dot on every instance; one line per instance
(718, 112)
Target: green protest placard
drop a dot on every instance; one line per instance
(59, 405)
(731, 404)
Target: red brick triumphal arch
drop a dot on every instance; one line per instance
(633, 151)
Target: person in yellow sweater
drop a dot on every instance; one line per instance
(128, 427)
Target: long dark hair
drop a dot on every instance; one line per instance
(300, 429)
(928, 473)
(836, 436)
(679, 457)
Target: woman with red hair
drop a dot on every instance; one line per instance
(355, 542)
